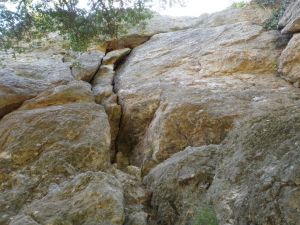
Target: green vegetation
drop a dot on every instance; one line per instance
(27, 20)
(278, 7)
(240, 5)
(100, 20)
(206, 216)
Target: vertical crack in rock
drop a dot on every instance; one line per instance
(104, 91)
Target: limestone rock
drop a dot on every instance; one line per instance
(138, 35)
(27, 75)
(290, 22)
(289, 62)
(102, 83)
(73, 92)
(52, 137)
(134, 196)
(114, 57)
(258, 180)
(179, 184)
(193, 86)
(89, 198)
(86, 64)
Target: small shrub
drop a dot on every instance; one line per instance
(272, 22)
(206, 216)
(239, 5)
(278, 7)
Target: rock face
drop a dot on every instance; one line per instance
(194, 124)
(290, 22)
(290, 61)
(78, 201)
(261, 163)
(103, 90)
(179, 184)
(202, 80)
(29, 74)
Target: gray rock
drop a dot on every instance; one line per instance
(92, 198)
(86, 64)
(114, 57)
(179, 184)
(289, 61)
(188, 88)
(290, 21)
(28, 75)
(257, 182)
(58, 134)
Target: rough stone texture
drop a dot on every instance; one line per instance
(50, 138)
(213, 87)
(134, 196)
(290, 22)
(258, 180)
(186, 88)
(114, 57)
(92, 198)
(103, 90)
(27, 75)
(30, 73)
(163, 24)
(86, 64)
(289, 62)
(179, 184)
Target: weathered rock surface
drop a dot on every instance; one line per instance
(201, 113)
(29, 74)
(89, 198)
(85, 65)
(290, 22)
(103, 90)
(26, 76)
(179, 184)
(258, 180)
(289, 62)
(186, 88)
(52, 137)
(164, 24)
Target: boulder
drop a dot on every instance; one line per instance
(116, 56)
(86, 64)
(179, 185)
(290, 21)
(91, 198)
(289, 61)
(51, 138)
(28, 75)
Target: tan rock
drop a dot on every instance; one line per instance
(51, 138)
(89, 198)
(289, 61)
(258, 180)
(290, 21)
(27, 75)
(179, 184)
(193, 87)
(138, 35)
(114, 57)
(86, 64)
(102, 84)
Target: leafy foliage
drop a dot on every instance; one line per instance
(206, 216)
(101, 19)
(278, 7)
